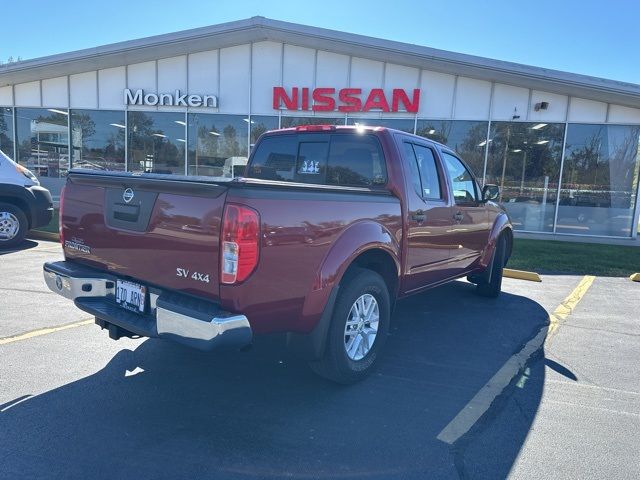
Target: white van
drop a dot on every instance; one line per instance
(24, 204)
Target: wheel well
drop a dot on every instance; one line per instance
(21, 204)
(380, 262)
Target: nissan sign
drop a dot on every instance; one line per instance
(345, 100)
(161, 99)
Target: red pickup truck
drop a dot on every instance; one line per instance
(329, 226)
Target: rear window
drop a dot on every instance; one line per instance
(327, 159)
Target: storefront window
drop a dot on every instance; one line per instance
(261, 124)
(524, 160)
(156, 142)
(403, 124)
(218, 144)
(288, 122)
(43, 141)
(467, 138)
(6, 131)
(97, 139)
(599, 180)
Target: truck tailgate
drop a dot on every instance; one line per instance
(158, 229)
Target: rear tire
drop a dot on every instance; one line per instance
(358, 329)
(13, 226)
(491, 288)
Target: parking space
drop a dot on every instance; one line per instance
(74, 403)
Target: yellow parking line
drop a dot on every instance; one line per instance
(43, 331)
(635, 277)
(480, 403)
(521, 275)
(561, 313)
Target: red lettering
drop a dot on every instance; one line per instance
(351, 103)
(322, 101)
(280, 95)
(376, 99)
(400, 95)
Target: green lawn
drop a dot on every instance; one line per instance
(545, 256)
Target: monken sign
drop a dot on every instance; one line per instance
(345, 100)
(179, 99)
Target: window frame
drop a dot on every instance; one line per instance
(413, 144)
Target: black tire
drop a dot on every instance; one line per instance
(335, 364)
(493, 286)
(17, 213)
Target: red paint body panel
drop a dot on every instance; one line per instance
(309, 235)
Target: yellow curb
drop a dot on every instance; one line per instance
(521, 275)
(635, 277)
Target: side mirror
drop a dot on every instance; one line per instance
(490, 192)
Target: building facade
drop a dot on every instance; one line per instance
(562, 147)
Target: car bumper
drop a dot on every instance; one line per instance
(196, 323)
(41, 207)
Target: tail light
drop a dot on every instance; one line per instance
(239, 243)
(60, 210)
(315, 128)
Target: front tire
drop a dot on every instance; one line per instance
(493, 286)
(358, 329)
(13, 225)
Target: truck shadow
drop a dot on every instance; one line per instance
(164, 411)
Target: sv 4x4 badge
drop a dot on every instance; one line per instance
(200, 277)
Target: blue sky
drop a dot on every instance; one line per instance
(593, 38)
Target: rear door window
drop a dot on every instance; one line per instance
(338, 159)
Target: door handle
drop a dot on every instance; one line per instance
(458, 217)
(419, 216)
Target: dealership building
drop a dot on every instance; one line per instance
(563, 147)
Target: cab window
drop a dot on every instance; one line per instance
(464, 185)
(345, 160)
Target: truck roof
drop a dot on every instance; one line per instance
(347, 128)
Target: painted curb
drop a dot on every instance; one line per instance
(521, 275)
(635, 277)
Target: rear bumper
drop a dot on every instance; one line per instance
(193, 322)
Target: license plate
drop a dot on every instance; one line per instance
(131, 296)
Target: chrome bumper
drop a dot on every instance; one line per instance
(205, 327)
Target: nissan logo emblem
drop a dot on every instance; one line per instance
(127, 196)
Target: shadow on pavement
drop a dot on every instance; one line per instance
(164, 411)
(25, 245)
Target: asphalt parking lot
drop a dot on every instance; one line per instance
(468, 388)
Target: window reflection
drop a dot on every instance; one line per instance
(524, 160)
(261, 124)
(43, 141)
(6, 131)
(467, 138)
(156, 142)
(599, 180)
(218, 144)
(97, 139)
(403, 124)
